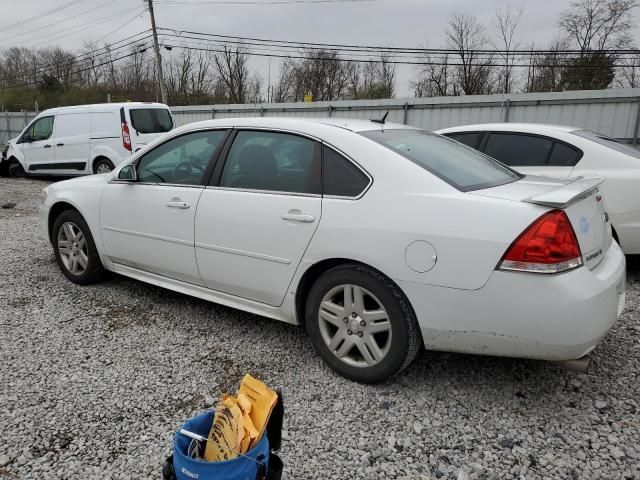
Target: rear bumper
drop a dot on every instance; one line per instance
(550, 317)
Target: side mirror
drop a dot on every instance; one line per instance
(128, 173)
(26, 138)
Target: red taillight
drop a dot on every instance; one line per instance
(126, 138)
(549, 245)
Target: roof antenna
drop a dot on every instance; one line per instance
(381, 120)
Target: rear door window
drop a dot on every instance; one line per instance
(518, 150)
(151, 120)
(470, 139)
(273, 161)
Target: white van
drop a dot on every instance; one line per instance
(84, 139)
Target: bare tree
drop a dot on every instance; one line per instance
(465, 35)
(371, 80)
(233, 70)
(434, 78)
(599, 24)
(628, 74)
(507, 21)
(547, 71)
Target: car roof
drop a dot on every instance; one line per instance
(511, 127)
(354, 125)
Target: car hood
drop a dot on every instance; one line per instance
(82, 182)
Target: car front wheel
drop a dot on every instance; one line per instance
(361, 324)
(75, 250)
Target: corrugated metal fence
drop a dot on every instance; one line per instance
(614, 112)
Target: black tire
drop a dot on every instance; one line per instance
(102, 165)
(94, 271)
(405, 341)
(15, 169)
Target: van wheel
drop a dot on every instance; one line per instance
(102, 165)
(15, 170)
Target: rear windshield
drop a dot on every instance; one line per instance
(151, 120)
(608, 142)
(461, 166)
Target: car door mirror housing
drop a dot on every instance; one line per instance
(26, 138)
(128, 173)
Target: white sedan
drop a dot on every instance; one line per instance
(567, 152)
(379, 238)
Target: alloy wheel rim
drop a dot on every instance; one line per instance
(103, 168)
(355, 326)
(72, 247)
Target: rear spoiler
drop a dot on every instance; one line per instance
(562, 196)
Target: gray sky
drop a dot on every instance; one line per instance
(405, 23)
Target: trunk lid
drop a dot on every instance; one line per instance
(579, 198)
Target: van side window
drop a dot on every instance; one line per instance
(41, 129)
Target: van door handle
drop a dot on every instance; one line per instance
(59, 144)
(48, 145)
(296, 216)
(178, 204)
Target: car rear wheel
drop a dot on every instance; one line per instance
(361, 324)
(75, 250)
(102, 165)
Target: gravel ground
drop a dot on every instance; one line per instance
(95, 380)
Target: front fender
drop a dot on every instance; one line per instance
(84, 195)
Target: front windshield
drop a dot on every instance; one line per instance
(608, 142)
(462, 167)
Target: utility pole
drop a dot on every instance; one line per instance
(163, 88)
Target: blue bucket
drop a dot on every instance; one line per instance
(239, 468)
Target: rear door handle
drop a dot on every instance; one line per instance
(178, 204)
(298, 217)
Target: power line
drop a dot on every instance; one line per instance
(256, 2)
(390, 59)
(40, 15)
(28, 84)
(88, 26)
(80, 59)
(42, 27)
(354, 52)
(302, 44)
(118, 28)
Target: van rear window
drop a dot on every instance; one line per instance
(151, 120)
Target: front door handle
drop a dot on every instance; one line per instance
(59, 144)
(296, 216)
(47, 146)
(178, 204)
